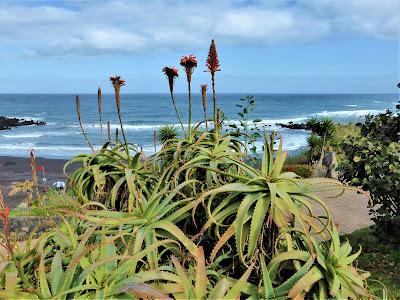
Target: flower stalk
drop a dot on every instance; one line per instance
(204, 101)
(172, 73)
(219, 121)
(99, 106)
(189, 63)
(78, 112)
(117, 82)
(155, 140)
(213, 66)
(35, 179)
(108, 132)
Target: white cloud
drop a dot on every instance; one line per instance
(369, 17)
(93, 27)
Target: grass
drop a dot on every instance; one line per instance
(381, 259)
(343, 131)
(300, 158)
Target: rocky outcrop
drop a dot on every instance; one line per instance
(292, 125)
(8, 123)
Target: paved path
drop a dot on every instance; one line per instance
(348, 211)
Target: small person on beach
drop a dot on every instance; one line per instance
(60, 186)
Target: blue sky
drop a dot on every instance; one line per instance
(310, 46)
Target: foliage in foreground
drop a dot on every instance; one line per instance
(192, 221)
(382, 259)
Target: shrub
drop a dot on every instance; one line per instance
(249, 130)
(304, 171)
(387, 230)
(298, 158)
(372, 161)
(315, 144)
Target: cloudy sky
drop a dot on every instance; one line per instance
(309, 46)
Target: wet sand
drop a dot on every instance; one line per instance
(18, 169)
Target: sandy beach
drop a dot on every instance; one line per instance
(18, 169)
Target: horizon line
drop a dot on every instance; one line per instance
(199, 93)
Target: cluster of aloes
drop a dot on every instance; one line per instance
(192, 221)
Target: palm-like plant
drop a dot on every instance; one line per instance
(167, 133)
(314, 144)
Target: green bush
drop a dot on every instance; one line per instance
(372, 161)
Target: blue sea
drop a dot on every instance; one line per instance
(141, 113)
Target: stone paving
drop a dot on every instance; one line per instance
(349, 211)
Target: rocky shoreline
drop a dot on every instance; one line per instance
(9, 123)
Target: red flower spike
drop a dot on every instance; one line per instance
(189, 62)
(5, 218)
(212, 59)
(117, 81)
(171, 73)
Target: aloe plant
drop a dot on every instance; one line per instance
(264, 201)
(110, 177)
(326, 270)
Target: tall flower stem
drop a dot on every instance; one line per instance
(155, 140)
(78, 112)
(190, 106)
(204, 102)
(172, 73)
(189, 63)
(35, 179)
(108, 132)
(122, 127)
(99, 104)
(214, 102)
(117, 82)
(177, 112)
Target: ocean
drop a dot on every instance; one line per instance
(141, 113)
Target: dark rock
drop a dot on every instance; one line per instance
(296, 126)
(8, 123)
